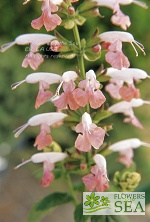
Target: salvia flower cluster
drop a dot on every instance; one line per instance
(80, 98)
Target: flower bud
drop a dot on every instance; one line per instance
(71, 10)
(128, 181)
(96, 48)
(56, 45)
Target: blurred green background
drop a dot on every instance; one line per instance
(17, 106)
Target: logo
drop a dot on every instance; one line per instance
(114, 203)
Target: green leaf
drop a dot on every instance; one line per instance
(109, 218)
(79, 186)
(145, 188)
(100, 115)
(78, 214)
(86, 5)
(60, 37)
(93, 41)
(103, 78)
(41, 208)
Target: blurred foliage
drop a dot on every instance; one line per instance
(18, 106)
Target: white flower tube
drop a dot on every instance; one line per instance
(127, 74)
(123, 106)
(32, 78)
(128, 143)
(44, 118)
(36, 39)
(51, 157)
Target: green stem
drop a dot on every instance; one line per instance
(80, 57)
(69, 182)
(70, 185)
(88, 156)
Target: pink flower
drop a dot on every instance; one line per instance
(125, 149)
(90, 134)
(119, 18)
(98, 178)
(44, 120)
(115, 56)
(91, 94)
(66, 98)
(112, 36)
(45, 80)
(49, 20)
(32, 59)
(48, 159)
(127, 109)
(116, 87)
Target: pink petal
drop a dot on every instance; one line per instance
(82, 143)
(61, 102)
(96, 98)
(126, 157)
(79, 128)
(117, 60)
(134, 121)
(48, 176)
(67, 97)
(115, 46)
(127, 93)
(89, 182)
(113, 90)
(37, 23)
(43, 85)
(32, 60)
(53, 7)
(43, 139)
(102, 184)
(96, 137)
(101, 178)
(80, 97)
(71, 102)
(42, 97)
(83, 83)
(69, 86)
(121, 20)
(51, 21)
